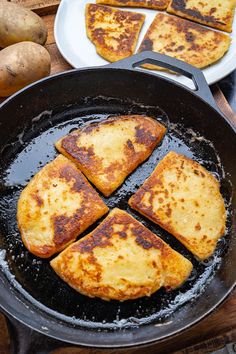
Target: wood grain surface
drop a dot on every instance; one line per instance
(40, 7)
(210, 334)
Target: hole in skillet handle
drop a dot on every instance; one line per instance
(202, 89)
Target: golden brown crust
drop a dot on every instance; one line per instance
(121, 260)
(107, 152)
(113, 32)
(151, 4)
(57, 205)
(184, 198)
(102, 235)
(184, 40)
(215, 13)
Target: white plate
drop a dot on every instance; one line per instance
(76, 48)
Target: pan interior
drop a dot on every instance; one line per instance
(33, 148)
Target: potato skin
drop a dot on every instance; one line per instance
(21, 64)
(18, 24)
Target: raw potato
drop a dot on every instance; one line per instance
(18, 24)
(22, 64)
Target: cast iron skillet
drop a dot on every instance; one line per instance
(32, 120)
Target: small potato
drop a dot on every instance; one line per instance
(22, 64)
(18, 24)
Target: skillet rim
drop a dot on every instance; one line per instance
(32, 323)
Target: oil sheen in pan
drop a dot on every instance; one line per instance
(34, 148)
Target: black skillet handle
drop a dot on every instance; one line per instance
(202, 89)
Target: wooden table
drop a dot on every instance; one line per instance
(210, 334)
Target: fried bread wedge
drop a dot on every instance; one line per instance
(108, 151)
(154, 4)
(184, 40)
(113, 32)
(184, 198)
(56, 206)
(214, 13)
(121, 260)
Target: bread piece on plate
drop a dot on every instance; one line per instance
(154, 4)
(113, 32)
(214, 13)
(56, 206)
(108, 151)
(184, 40)
(184, 198)
(121, 260)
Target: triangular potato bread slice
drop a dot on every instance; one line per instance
(184, 198)
(154, 4)
(108, 151)
(184, 40)
(121, 260)
(56, 206)
(214, 13)
(113, 32)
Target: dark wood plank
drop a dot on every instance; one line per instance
(4, 339)
(58, 63)
(40, 7)
(223, 104)
(211, 345)
(49, 22)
